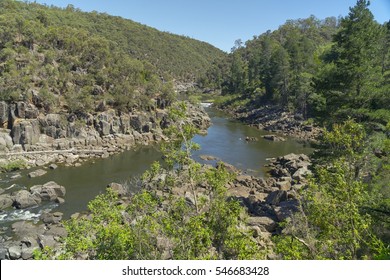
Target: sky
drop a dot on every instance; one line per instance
(221, 22)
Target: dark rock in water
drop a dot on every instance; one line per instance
(274, 138)
(37, 173)
(49, 191)
(251, 139)
(53, 166)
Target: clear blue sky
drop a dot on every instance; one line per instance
(221, 22)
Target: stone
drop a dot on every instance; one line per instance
(105, 128)
(24, 199)
(37, 173)
(56, 231)
(47, 240)
(53, 166)
(51, 191)
(26, 132)
(301, 174)
(59, 200)
(118, 188)
(285, 209)
(50, 218)
(263, 222)
(283, 185)
(15, 252)
(28, 253)
(274, 138)
(5, 201)
(276, 197)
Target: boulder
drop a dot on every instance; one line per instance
(15, 252)
(263, 222)
(51, 191)
(24, 199)
(5, 201)
(51, 218)
(37, 173)
(274, 138)
(118, 188)
(276, 197)
(285, 209)
(26, 132)
(301, 174)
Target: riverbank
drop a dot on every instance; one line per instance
(275, 120)
(267, 202)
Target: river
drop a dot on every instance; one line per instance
(225, 140)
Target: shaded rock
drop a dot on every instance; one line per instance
(276, 197)
(3, 253)
(251, 139)
(37, 173)
(53, 166)
(285, 209)
(274, 138)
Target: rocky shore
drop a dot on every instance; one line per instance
(268, 202)
(277, 120)
(35, 138)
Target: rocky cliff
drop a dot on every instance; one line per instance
(30, 134)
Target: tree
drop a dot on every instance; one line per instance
(332, 222)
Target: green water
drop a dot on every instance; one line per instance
(225, 140)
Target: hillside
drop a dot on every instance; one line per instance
(74, 59)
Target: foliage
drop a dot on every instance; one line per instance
(334, 222)
(13, 166)
(155, 223)
(74, 60)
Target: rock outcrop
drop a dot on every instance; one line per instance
(27, 129)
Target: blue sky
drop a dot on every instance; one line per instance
(221, 22)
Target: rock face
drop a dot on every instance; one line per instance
(33, 130)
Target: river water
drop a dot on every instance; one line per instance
(225, 140)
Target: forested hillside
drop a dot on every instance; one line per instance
(334, 73)
(328, 69)
(71, 59)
